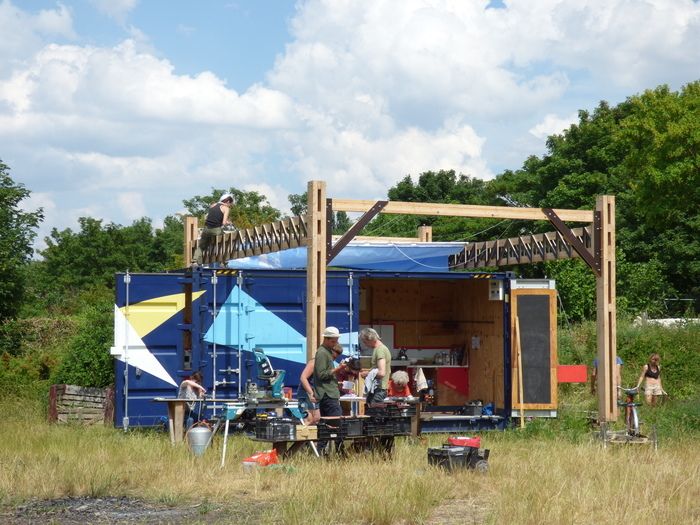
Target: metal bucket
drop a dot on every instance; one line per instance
(198, 439)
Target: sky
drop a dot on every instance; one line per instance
(119, 109)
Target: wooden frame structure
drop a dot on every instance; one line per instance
(594, 243)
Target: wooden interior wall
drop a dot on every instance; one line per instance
(485, 322)
(442, 314)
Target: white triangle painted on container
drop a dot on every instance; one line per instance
(138, 354)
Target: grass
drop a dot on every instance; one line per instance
(550, 473)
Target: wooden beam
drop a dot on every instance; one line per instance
(191, 235)
(356, 228)
(573, 240)
(316, 221)
(606, 310)
(461, 210)
(425, 233)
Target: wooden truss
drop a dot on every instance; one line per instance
(267, 238)
(524, 249)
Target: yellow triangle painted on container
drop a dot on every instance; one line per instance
(148, 315)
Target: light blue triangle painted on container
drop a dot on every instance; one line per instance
(268, 331)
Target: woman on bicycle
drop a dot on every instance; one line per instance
(651, 377)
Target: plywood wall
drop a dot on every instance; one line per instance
(442, 314)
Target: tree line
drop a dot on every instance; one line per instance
(645, 151)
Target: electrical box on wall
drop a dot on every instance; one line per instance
(495, 290)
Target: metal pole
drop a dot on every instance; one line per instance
(350, 347)
(239, 282)
(125, 419)
(214, 280)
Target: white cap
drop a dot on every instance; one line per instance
(331, 332)
(226, 196)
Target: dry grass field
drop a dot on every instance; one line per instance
(531, 479)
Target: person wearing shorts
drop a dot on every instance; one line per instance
(307, 397)
(651, 377)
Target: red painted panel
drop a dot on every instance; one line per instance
(452, 386)
(572, 373)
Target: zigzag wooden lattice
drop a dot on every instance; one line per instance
(267, 238)
(525, 249)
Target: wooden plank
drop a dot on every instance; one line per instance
(461, 210)
(395, 240)
(606, 309)
(81, 390)
(191, 234)
(317, 225)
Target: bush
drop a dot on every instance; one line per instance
(88, 361)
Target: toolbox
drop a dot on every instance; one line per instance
(464, 441)
(454, 458)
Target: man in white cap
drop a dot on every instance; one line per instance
(217, 217)
(325, 382)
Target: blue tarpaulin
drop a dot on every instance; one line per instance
(418, 257)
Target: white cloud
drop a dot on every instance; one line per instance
(132, 205)
(117, 9)
(553, 124)
(23, 33)
(364, 94)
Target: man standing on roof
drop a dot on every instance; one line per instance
(325, 382)
(217, 217)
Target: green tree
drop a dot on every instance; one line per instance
(646, 152)
(340, 222)
(17, 233)
(88, 361)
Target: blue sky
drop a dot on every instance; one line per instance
(118, 109)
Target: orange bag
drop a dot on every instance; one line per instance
(263, 459)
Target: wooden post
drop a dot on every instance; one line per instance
(425, 233)
(606, 314)
(191, 234)
(316, 266)
(519, 351)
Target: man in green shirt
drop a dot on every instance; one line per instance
(325, 383)
(381, 361)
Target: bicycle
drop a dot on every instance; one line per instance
(631, 416)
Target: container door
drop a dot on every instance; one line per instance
(153, 343)
(533, 311)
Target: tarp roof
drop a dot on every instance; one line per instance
(359, 255)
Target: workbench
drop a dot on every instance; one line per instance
(287, 448)
(176, 416)
(234, 408)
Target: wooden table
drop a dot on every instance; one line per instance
(176, 417)
(286, 449)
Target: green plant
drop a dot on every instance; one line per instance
(88, 361)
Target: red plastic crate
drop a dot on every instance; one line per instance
(463, 441)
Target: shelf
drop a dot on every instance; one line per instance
(418, 365)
